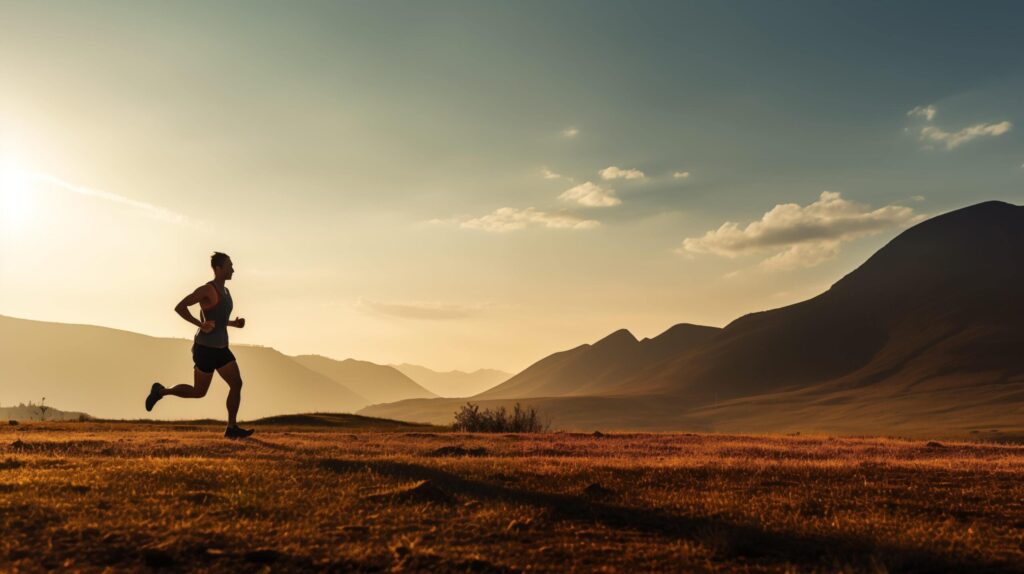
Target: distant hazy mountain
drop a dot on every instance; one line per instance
(454, 383)
(107, 373)
(925, 337)
(378, 383)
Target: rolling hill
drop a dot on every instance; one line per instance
(107, 373)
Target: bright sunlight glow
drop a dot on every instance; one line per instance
(15, 195)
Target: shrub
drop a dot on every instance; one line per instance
(470, 418)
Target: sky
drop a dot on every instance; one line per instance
(470, 185)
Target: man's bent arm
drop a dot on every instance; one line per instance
(182, 307)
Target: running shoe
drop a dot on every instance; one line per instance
(237, 432)
(154, 396)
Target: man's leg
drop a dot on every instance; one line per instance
(195, 391)
(233, 377)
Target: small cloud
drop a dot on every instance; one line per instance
(612, 172)
(681, 175)
(570, 132)
(548, 174)
(590, 194)
(933, 134)
(802, 236)
(803, 255)
(926, 112)
(442, 221)
(418, 310)
(508, 219)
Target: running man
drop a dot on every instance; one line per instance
(210, 350)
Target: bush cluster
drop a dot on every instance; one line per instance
(470, 418)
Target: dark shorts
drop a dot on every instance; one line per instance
(209, 359)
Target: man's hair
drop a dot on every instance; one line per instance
(218, 259)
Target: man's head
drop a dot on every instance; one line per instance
(222, 267)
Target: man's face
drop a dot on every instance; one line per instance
(227, 270)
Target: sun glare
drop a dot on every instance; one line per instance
(15, 195)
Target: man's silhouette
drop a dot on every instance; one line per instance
(210, 350)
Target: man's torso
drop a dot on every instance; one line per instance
(218, 311)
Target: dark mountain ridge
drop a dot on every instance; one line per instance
(592, 369)
(950, 275)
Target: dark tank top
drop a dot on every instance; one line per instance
(219, 313)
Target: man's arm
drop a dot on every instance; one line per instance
(238, 322)
(195, 297)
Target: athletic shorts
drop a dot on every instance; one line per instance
(209, 359)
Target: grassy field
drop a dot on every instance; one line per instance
(325, 493)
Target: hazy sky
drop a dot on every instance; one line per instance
(479, 184)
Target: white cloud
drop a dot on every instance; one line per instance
(612, 172)
(513, 219)
(801, 236)
(926, 112)
(681, 175)
(570, 132)
(933, 134)
(590, 194)
(418, 310)
(548, 174)
(802, 255)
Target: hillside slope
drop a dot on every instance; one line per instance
(594, 368)
(107, 373)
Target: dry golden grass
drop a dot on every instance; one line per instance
(179, 497)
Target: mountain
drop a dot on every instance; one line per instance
(454, 383)
(378, 383)
(107, 373)
(923, 338)
(606, 364)
(940, 298)
(587, 369)
(551, 382)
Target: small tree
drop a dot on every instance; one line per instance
(42, 408)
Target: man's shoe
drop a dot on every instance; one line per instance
(237, 432)
(154, 396)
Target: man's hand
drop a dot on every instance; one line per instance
(207, 326)
(239, 322)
